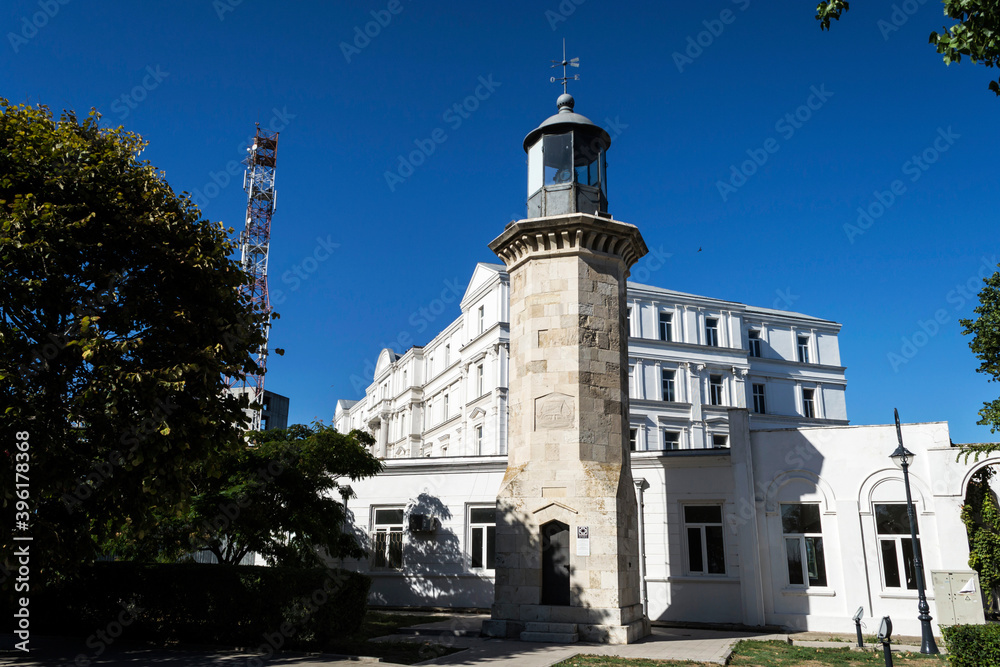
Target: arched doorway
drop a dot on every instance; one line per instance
(555, 563)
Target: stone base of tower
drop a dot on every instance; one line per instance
(602, 626)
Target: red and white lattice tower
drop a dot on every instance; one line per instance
(259, 185)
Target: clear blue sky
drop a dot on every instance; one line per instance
(193, 77)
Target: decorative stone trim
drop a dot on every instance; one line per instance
(569, 234)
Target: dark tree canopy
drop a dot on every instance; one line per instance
(283, 497)
(974, 35)
(120, 313)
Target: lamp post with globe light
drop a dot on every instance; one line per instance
(902, 457)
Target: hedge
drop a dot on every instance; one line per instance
(972, 645)
(239, 605)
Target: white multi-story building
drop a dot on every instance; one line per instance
(757, 503)
(691, 358)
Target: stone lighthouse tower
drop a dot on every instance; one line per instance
(567, 556)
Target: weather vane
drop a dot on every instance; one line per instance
(573, 62)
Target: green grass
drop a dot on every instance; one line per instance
(379, 624)
(772, 654)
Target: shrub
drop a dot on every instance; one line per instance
(972, 645)
(240, 605)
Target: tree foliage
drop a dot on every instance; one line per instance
(974, 35)
(120, 313)
(283, 496)
(981, 516)
(985, 344)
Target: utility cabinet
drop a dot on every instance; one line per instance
(959, 597)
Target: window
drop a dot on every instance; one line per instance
(712, 332)
(720, 441)
(430, 366)
(628, 322)
(447, 356)
(633, 437)
(804, 349)
(482, 319)
(387, 539)
(892, 523)
(671, 439)
(479, 439)
(444, 407)
(801, 526)
(631, 382)
(706, 550)
(482, 537)
(479, 380)
(666, 326)
(759, 405)
(809, 403)
(754, 339)
(715, 389)
(405, 385)
(667, 378)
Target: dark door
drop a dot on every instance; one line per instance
(555, 563)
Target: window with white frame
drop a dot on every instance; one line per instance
(803, 533)
(715, 389)
(482, 319)
(480, 376)
(803, 345)
(666, 325)
(628, 322)
(892, 524)
(444, 408)
(482, 537)
(631, 382)
(447, 355)
(479, 439)
(753, 337)
(671, 439)
(633, 439)
(387, 539)
(759, 402)
(712, 331)
(667, 379)
(720, 441)
(405, 385)
(705, 545)
(808, 402)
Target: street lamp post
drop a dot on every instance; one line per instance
(902, 456)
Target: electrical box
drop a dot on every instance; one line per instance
(958, 597)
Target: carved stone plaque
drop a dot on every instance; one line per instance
(554, 411)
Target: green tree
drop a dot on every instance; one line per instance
(985, 344)
(283, 496)
(981, 516)
(120, 313)
(975, 35)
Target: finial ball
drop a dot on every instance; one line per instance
(565, 101)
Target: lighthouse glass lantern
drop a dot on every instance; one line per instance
(567, 167)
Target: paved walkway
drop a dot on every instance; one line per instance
(461, 631)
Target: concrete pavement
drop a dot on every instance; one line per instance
(461, 631)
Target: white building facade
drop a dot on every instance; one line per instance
(758, 503)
